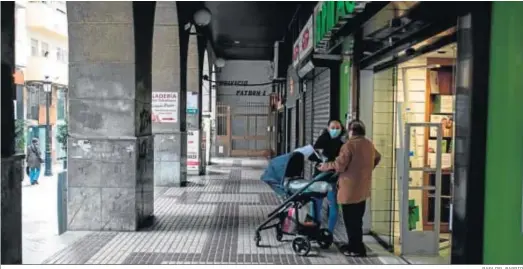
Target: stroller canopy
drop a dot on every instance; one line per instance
(287, 165)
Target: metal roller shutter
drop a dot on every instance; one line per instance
(321, 95)
(293, 129)
(308, 124)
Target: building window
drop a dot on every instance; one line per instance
(45, 49)
(60, 55)
(34, 47)
(35, 99)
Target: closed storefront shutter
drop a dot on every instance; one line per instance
(321, 95)
(308, 124)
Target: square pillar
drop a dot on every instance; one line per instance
(170, 141)
(12, 174)
(110, 145)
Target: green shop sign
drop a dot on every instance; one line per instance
(328, 14)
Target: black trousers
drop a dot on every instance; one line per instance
(353, 218)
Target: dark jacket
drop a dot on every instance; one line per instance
(330, 146)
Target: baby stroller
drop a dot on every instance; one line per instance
(285, 176)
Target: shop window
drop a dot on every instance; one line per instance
(34, 47)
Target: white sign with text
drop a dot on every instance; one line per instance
(164, 107)
(193, 153)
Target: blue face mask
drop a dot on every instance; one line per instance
(334, 132)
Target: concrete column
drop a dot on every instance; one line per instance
(169, 139)
(110, 148)
(12, 172)
(194, 108)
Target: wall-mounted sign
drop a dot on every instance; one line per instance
(328, 14)
(192, 103)
(251, 93)
(306, 39)
(232, 83)
(193, 152)
(304, 43)
(164, 107)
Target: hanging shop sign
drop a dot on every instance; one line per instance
(330, 16)
(306, 41)
(164, 107)
(304, 44)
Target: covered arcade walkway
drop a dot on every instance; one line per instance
(211, 221)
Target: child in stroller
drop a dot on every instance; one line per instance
(285, 176)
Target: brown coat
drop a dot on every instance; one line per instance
(355, 163)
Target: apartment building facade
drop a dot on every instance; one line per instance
(41, 56)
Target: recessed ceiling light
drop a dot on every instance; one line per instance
(236, 42)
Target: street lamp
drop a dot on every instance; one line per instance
(47, 85)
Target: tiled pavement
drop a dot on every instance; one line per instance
(211, 221)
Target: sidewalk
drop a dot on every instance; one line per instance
(39, 219)
(211, 221)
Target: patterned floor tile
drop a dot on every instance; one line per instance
(211, 221)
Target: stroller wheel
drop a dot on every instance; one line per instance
(301, 246)
(325, 239)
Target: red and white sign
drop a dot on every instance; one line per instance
(164, 107)
(193, 153)
(304, 44)
(306, 39)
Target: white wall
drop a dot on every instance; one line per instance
(254, 72)
(38, 66)
(46, 23)
(21, 36)
(416, 88)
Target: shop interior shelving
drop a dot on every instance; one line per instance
(439, 108)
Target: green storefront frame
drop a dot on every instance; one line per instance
(503, 213)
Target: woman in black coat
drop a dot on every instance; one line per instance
(329, 143)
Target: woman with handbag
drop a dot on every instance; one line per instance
(34, 161)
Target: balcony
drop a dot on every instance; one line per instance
(39, 67)
(46, 18)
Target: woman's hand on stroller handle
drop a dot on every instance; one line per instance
(323, 168)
